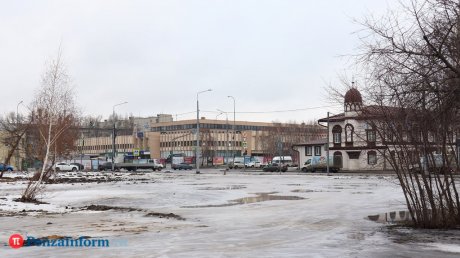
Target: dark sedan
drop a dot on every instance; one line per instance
(80, 166)
(181, 166)
(107, 166)
(4, 167)
(275, 167)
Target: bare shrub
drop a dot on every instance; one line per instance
(413, 65)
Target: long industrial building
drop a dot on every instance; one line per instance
(159, 137)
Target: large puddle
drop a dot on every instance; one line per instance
(260, 197)
(312, 191)
(231, 187)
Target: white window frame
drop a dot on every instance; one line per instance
(308, 151)
(317, 150)
(371, 135)
(337, 137)
(372, 158)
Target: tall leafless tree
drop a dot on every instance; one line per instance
(207, 146)
(55, 113)
(413, 65)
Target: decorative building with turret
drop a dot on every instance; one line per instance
(353, 142)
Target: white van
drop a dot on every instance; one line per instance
(287, 160)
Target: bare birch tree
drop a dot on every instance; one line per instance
(54, 115)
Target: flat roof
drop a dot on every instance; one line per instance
(313, 142)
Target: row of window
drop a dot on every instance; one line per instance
(371, 155)
(309, 150)
(371, 135)
(337, 133)
(203, 143)
(416, 136)
(388, 135)
(106, 147)
(185, 133)
(209, 126)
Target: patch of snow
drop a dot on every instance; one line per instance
(449, 248)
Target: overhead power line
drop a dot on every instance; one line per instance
(259, 112)
(277, 111)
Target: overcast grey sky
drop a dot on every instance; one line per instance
(269, 55)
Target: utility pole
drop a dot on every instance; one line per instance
(216, 144)
(114, 134)
(234, 128)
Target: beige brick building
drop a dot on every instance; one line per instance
(16, 159)
(160, 136)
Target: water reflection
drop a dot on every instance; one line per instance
(260, 197)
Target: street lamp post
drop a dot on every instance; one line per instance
(197, 151)
(113, 134)
(234, 128)
(17, 124)
(216, 151)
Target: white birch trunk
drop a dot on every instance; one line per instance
(48, 145)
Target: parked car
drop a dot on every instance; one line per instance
(61, 166)
(80, 166)
(436, 163)
(253, 164)
(236, 165)
(286, 160)
(275, 167)
(106, 166)
(4, 167)
(181, 166)
(319, 164)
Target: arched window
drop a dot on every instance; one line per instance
(349, 130)
(337, 134)
(371, 157)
